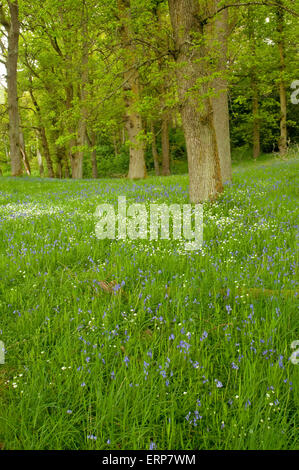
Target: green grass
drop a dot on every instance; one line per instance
(192, 352)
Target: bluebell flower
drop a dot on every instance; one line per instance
(204, 335)
(126, 360)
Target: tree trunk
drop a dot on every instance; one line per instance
(254, 90)
(92, 143)
(115, 146)
(256, 121)
(165, 146)
(23, 152)
(205, 182)
(40, 161)
(78, 157)
(282, 144)
(164, 90)
(218, 30)
(154, 150)
(134, 128)
(83, 98)
(61, 162)
(133, 120)
(95, 173)
(75, 157)
(58, 168)
(46, 151)
(66, 163)
(76, 164)
(13, 30)
(123, 135)
(42, 133)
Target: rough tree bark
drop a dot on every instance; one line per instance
(205, 182)
(133, 119)
(12, 26)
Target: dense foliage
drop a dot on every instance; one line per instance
(74, 57)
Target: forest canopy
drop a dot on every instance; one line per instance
(128, 87)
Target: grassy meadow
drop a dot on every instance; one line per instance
(134, 344)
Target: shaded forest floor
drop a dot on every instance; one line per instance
(137, 344)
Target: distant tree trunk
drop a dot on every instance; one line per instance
(75, 157)
(67, 170)
(218, 29)
(42, 133)
(254, 89)
(23, 152)
(83, 95)
(165, 146)
(95, 173)
(154, 150)
(46, 151)
(60, 152)
(61, 162)
(164, 89)
(58, 167)
(12, 27)
(205, 182)
(115, 146)
(256, 121)
(77, 162)
(40, 161)
(123, 135)
(133, 120)
(93, 142)
(282, 144)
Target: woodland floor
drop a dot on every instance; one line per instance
(135, 344)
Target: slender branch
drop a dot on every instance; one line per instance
(203, 21)
(264, 3)
(3, 19)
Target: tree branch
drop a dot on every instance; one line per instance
(3, 20)
(203, 21)
(264, 3)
